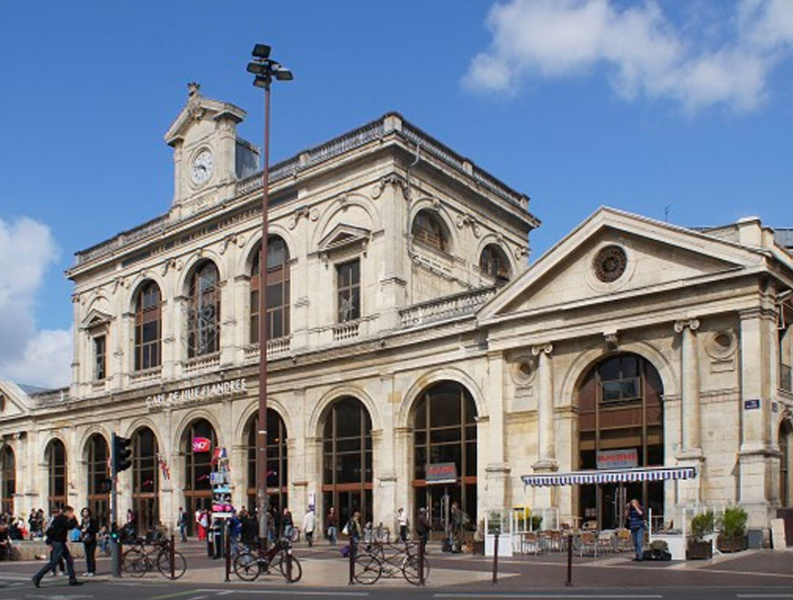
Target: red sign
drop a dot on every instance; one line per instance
(201, 444)
(441, 473)
(627, 458)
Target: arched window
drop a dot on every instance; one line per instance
(148, 327)
(494, 262)
(347, 459)
(620, 409)
(444, 433)
(198, 445)
(203, 310)
(785, 450)
(145, 479)
(8, 476)
(428, 230)
(98, 478)
(277, 464)
(278, 291)
(57, 475)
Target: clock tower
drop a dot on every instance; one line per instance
(208, 156)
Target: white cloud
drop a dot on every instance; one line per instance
(27, 355)
(639, 47)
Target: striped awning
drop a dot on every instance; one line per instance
(611, 476)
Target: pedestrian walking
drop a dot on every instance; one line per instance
(403, 523)
(309, 525)
(287, 523)
(635, 517)
(423, 527)
(332, 523)
(88, 531)
(57, 533)
(182, 521)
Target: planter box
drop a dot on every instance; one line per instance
(699, 550)
(734, 544)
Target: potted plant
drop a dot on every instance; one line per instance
(732, 534)
(698, 547)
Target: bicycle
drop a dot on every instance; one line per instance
(249, 565)
(138, 560)
(375, 562)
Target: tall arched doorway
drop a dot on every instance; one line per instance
(97, 454)
(57, 475)
(145, 479)
(277, 465)
(347, 460)
(198, 443)
(444, 431)
(620, 414)
(8, 480)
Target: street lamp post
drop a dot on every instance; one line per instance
(264, 70)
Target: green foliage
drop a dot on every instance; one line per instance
(733, 522)
(536, 522)
(702, 524)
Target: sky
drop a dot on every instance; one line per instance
(678, 111)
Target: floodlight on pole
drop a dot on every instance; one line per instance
(264, 70)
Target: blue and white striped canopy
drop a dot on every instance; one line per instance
(610, 476)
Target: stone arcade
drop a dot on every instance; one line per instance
(406, 330)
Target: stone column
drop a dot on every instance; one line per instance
(546, 444)
(689, 371)
(689, 491)
(758, 334)
(497, 470)
(544, 497)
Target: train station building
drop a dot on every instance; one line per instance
(408, 335)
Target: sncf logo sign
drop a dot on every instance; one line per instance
(201, 444)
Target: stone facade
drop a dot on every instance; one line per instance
(708, 310)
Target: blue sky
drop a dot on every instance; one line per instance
(577, 103)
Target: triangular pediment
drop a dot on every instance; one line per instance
(96, 319)
(615, 255)
(343, 236)
(198, 109)
(14, 401)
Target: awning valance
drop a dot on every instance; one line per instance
(611, 476)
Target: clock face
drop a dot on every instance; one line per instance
(201, 170)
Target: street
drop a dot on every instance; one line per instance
(751, 574)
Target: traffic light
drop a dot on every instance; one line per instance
(122, 453)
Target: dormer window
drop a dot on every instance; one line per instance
(428, 230)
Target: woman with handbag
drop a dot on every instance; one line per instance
(88, 531)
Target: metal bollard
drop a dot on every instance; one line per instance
(569, 560)
(421, 562)
(228, 550)
(172, 551)
(352, 562)
(495, 559)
